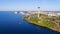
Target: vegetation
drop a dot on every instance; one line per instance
(43, 20)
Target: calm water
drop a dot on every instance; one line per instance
(11, 23)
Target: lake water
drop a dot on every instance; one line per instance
(11, 23)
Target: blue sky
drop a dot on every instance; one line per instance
(16, 5)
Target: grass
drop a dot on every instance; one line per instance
(43, 20)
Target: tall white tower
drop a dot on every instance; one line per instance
(38, 11)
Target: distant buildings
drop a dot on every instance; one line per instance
(50, 13)
(39, 12)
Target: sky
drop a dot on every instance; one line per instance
(25, 5)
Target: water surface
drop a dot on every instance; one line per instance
(11, 23)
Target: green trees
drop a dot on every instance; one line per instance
(43, 20)
(47, 23)
(58, 17)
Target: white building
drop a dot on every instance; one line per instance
(58, 13)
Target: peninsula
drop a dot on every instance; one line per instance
(48, 21)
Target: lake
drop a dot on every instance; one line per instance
(11, 23)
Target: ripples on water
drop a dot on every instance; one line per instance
(11, 23)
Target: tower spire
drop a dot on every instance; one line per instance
(38, 11)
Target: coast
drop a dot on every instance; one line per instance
(44, 21)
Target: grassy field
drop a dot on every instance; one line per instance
(43, 20)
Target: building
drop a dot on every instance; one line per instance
(57, 22)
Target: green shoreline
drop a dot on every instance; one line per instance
(43, 27)
(34, 21)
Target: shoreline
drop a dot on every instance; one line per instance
(43, 27)
(39, 25)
